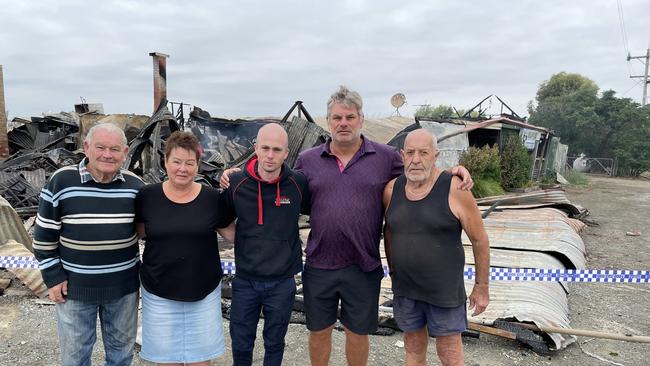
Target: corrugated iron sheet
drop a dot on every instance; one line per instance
(540, 213)
(536, 197)
(36, 178)
(11, 226)
(516, 259)
(543, 303)
(531, 238)
(533, 231)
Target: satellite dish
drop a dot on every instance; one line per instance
(397, 101)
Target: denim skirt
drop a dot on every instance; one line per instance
(179, 331)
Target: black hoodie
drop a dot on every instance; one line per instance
(267, 243)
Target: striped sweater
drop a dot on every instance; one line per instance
(85, 234)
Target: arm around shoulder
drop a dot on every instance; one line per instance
(388, 194)
(460, 171)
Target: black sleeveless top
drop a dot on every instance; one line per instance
(427, 254)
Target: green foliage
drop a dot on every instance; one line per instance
(482, 163)
(563, 84)
(441, 111)
(575, 177)
(567, 104)
(599, 126)
(487, 188)
(627, 137)
(516, 164)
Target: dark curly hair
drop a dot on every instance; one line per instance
(184, 140)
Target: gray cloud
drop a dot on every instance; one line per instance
(256, 58)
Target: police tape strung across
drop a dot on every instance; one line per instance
(496, 274)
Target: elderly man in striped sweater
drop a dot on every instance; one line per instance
(87, 249)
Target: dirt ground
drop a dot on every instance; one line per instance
(28, 330)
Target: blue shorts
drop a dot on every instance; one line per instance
(179, 331)
(411, 315)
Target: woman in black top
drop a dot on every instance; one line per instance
(181, 271)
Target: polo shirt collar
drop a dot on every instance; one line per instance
(366, 147)
(87, 177)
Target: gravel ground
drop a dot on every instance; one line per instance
(28, 329)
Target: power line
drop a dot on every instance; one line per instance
(621, 22)
(636, 83)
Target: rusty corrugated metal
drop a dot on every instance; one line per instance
(543, 303)
(11, 226)
(535, 197)
(540, 230)
(30, 277)
(516, 259)
(531, 238)
(539, 213)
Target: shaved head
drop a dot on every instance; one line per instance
(275, 131)
(272, 149)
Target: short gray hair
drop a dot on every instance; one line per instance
(347, 97)
(107, 127)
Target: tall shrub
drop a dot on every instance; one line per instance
(516, 164)
(482, 163)
(485, 166)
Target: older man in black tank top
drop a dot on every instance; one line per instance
(425, 215)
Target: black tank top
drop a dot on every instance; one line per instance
(427, 254)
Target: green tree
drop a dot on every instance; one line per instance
(564, 83)
(567, 104)
(599, 126)
(630, 143)
(441, 111)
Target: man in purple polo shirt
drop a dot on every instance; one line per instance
(346, 178)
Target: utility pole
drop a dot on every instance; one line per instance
(644, 76)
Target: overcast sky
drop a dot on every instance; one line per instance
(255, 58)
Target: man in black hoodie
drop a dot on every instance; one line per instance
(266, 197)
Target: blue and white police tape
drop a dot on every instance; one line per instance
(496, 274)
(18, 262)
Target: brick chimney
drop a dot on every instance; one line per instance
(4, 143)
(159, 77)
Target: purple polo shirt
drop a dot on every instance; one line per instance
(346, 206)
